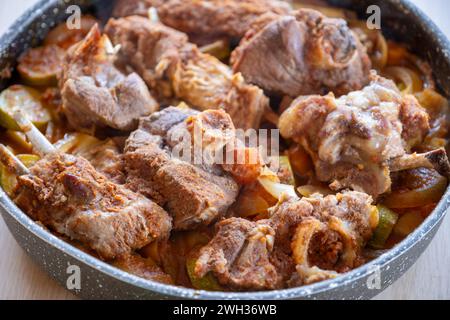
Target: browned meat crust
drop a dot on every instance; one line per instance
(95, 94)
(208, 18)
(174, 68)
(68, 195)
(193, 194)
(303, 53)
(352, 139)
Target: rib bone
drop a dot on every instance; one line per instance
(436, 159)
(37, 139)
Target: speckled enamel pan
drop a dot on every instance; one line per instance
(400, 19)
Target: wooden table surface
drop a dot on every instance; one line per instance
(429, 278)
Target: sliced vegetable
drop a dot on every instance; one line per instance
(328, 11)
(285, 172)
(28, 160)
(435, 103)
(417, 188)
(208, 282)
(41, 66)
(7, 180)
(17, 141)
(77, 143)
(407, 223)
(407, 80)
(219, 49)
(25, 99)
(309, 190)
(64, 37)
(386, 222)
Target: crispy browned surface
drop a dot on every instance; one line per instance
(175, 68)
(69, 196)
(209, 18)
(303, 53)
(107, 159)
(97, 95)
(193, 194)
(351, 139)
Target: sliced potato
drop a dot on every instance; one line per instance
(41, 66)
(19, 97)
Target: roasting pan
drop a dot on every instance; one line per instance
(401, 20)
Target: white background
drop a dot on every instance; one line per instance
(428, 279)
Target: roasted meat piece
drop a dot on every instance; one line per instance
(262, 255)
(174, 68)
(301, 54)
(194, 193)
(209, 18)
(143, 268)
(69, 196)
(95, 94)
(352, 140)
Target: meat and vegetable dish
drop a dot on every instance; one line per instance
(92, 125)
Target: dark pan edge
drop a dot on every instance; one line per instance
(424, 233)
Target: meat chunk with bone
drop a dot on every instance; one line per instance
(96, 94)
(209, 18)
(175, 68)
(143, 268)
(67, 194)
(301, 54)
(354, 139)
(194, 193)
(261, 255)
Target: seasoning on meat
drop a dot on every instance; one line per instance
(68, 195)
(210, 19)
(144, 268)
(96, 95)
(175, 68)
(194, 194)
(352, 139)
(301, 54)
